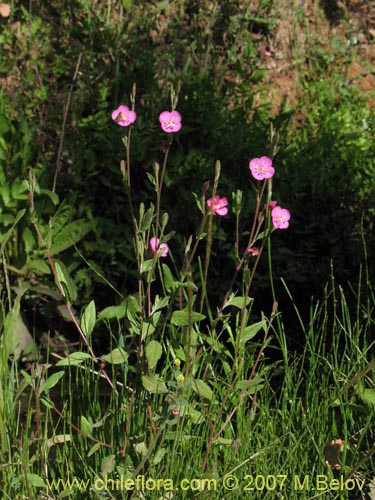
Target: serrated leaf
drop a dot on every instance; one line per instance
(181, 318)
(108, 464)
(70, 235)
(50, 382)
(88, 319)
(153, 353)
(35, 480)
(116, 356)
(153, 384)
(200, 387)
(250, 331)
(74, 359)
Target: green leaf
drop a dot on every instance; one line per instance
(200, 387)
(116, 357)
(93, 449)
(153, 353)
(237, 302)
(141, 448)
(154, 384)
(46, 402)
(74, 359)
(159, 303)
(51, 195)
(5, 237)
(66, 282)
(50, 382)
(58, 439)
(28, 378)
(86, 425)
(35, 480)
(159, 456)
(19, 190)
(252, 386)
(113, 312)
(181, 318)
(126, 3)
(28, 239)
(70, 235)
(258, 75)
(169, 282)
(147, 220)
(37, 266)
(367, 395)
(147, 265)
(88, 319)
(250, 331)
(108, 464)
(195, 415)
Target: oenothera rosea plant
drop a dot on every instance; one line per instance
(154, 249)
(268, 216)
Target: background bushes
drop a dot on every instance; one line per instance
(65, 65)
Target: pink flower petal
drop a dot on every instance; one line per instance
(280, 217)
(261, 168)
(124, 116)
(170, 121)
(160, 248)
(219, 205)
(253, 251)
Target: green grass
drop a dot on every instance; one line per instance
(171, 370)
(274, 442)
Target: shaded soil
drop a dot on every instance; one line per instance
(320, 27)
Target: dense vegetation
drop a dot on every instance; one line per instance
(246, 350)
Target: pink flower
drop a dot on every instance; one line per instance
(161, 248)
(219, 205)
(124, 116)
(261, 168)
(176, 412)
(272, 204)
(170, 121)
(280, 217)
(253, 251)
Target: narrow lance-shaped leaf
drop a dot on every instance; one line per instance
(88, 319)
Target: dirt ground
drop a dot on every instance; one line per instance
(318, 24)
